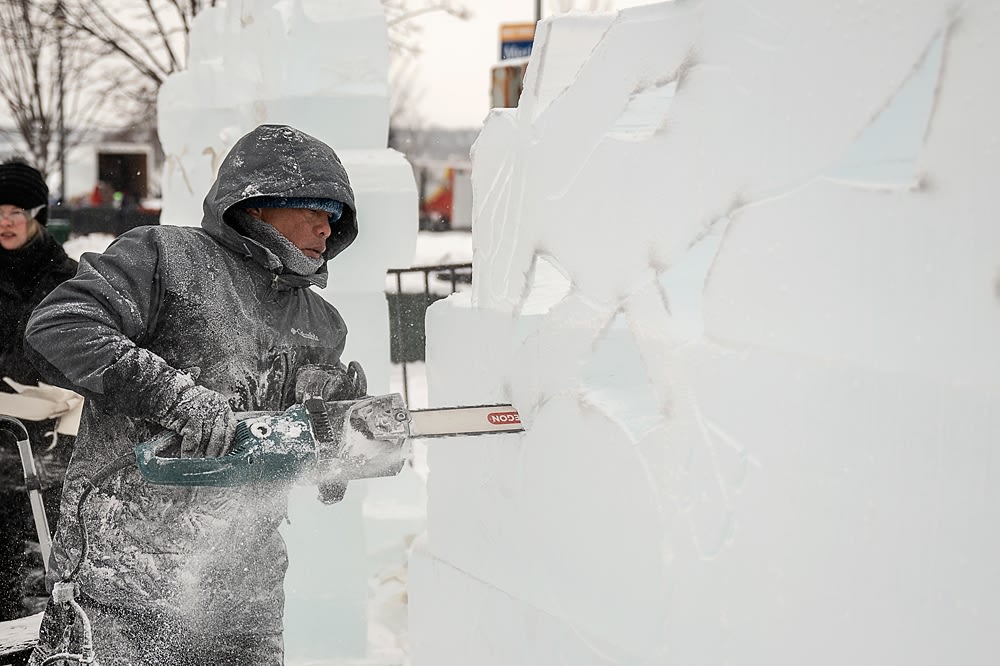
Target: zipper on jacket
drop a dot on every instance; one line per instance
(286, 369)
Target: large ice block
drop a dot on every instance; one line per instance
(386, 198)
(264, 61)
(735, 266)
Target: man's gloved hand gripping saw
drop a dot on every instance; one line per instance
(206, 423)
(335, 434)
(331, 383)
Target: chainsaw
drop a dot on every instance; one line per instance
(326, 443)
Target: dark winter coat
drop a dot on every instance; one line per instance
(27, 275)
(160, 301)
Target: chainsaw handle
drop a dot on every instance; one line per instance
(155, 446)
(356, 377)
(241, 465)
(168, 470)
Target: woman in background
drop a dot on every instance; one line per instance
(32, 263)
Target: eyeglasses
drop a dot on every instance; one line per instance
(20, 215)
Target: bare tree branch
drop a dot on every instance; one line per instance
(175, 64)
(96, 20)
(404, 32)
(29, 82)
(151, 36)
(133, 47)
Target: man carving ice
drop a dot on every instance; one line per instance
(175, 329)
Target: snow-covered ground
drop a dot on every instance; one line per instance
(442, 247)
(77, 245)
(434, 248)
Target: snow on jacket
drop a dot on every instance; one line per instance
(166, 300)
(27, 275)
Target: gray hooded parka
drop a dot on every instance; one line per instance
(163, 301)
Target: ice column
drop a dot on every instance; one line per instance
(322, 67)
(736, 265)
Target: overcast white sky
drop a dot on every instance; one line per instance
(452, 73)
(454, 67)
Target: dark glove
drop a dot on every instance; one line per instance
(204, 419)
(331, 383)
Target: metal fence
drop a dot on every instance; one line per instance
(415, 289)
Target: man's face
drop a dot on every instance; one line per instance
(306, 229)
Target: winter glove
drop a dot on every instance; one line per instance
(204, 419)
(331, 383)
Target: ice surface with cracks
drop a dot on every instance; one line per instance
(322, 67)
(736, 266)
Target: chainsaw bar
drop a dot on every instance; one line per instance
(454, 421)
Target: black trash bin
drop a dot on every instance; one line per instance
(60, 228)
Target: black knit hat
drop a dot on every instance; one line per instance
(23, 186)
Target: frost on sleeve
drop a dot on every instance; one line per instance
(84, 335)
